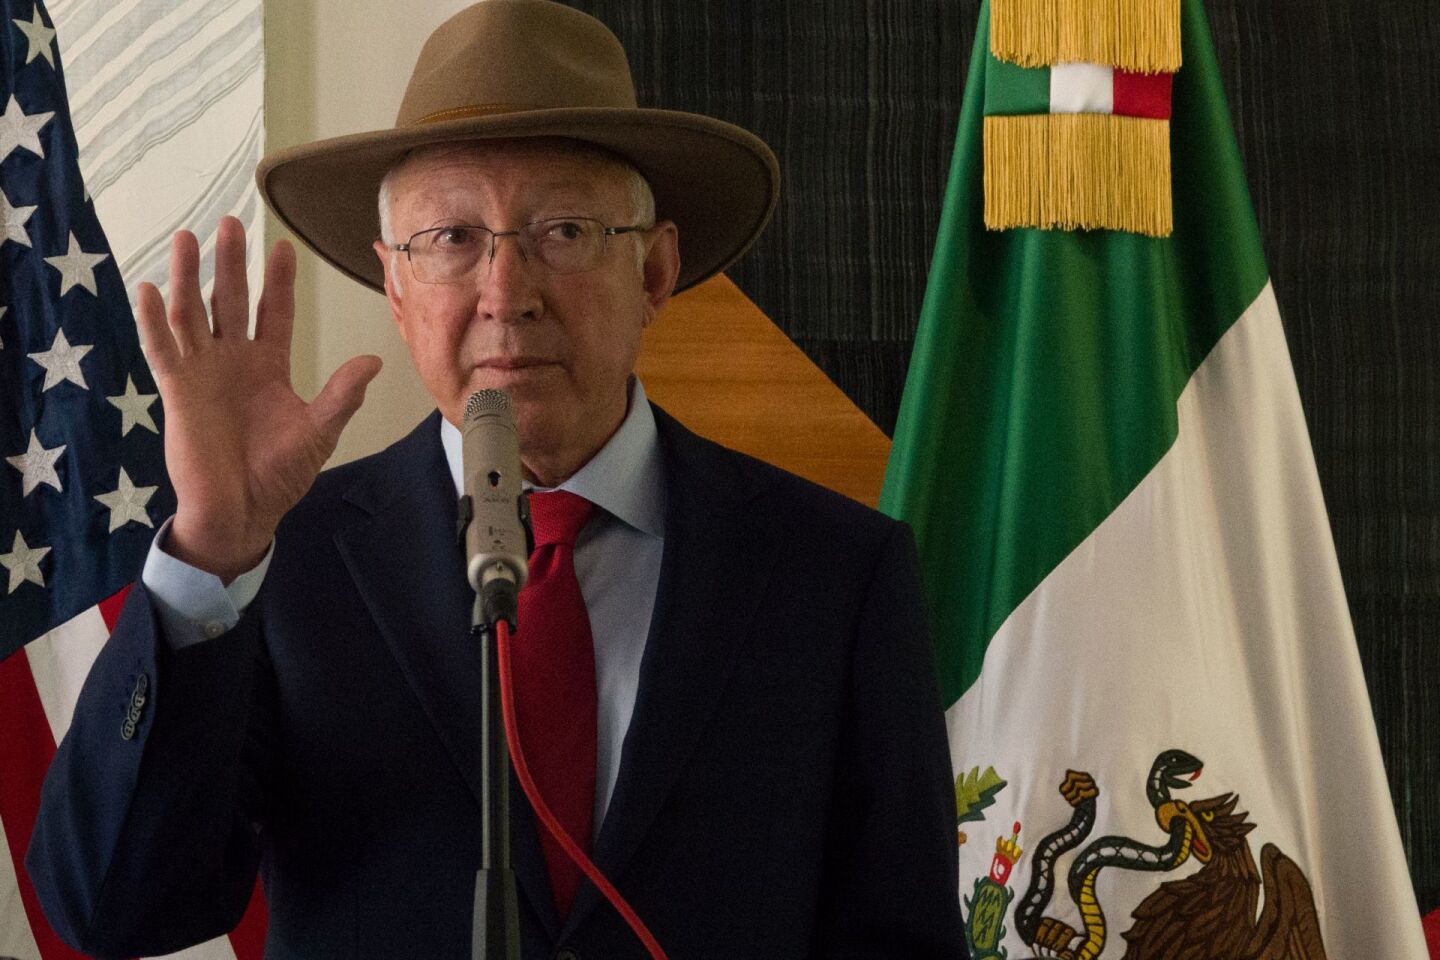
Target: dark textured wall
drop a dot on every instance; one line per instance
(1336, 105)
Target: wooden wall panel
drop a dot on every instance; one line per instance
(717, 363)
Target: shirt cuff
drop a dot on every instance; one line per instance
(192, 605)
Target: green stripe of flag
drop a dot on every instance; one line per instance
(1012, 89)
(1047, 364)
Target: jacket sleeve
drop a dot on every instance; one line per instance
(891, 877)
(147, 836)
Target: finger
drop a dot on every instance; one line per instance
(187, 307)
(230, 300)
(275, 317)
(156, 340)
(343, 394)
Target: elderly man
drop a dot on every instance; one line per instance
(740, 724)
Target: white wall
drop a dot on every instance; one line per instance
(335, 67)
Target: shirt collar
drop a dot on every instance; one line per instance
(625, 478)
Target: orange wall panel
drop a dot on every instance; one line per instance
(720, 366)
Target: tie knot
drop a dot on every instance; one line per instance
(558, 516)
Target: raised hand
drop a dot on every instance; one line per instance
(241, 447)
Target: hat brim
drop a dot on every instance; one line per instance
(717, 182)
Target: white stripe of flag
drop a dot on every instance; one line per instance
(1082, 88)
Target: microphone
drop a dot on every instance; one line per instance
(495, 524)
(493, 510)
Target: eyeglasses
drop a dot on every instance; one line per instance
(448, 254)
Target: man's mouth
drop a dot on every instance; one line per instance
(514, 363)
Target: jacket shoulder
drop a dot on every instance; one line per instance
(806, 508)
(418, 458)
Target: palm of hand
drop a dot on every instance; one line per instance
(241, 446)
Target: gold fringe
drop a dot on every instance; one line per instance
(1138, 35)
(1078, 171)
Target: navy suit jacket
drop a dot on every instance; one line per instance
(784, 788)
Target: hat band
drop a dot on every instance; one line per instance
(462, 113)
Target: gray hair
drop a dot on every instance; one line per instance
(641, 203)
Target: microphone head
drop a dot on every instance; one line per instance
(488, 403)
(496, 543)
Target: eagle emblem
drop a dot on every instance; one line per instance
(1213, 914)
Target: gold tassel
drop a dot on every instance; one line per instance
(1078, 171)
(1138, 35)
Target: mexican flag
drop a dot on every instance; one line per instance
(1161, 731)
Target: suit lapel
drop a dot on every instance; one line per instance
(408, 564)
(711, 577)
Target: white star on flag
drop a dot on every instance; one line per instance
(40, 37)
(23, 562)
(62, 362)
(21, 129)
(134, 408)
(37, 466)
(3, 311)
(15, 219)
(77, 268)
(127, 503)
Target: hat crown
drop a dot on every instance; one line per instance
(503, 56)
(511, 69)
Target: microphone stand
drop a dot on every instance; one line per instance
(495, 933)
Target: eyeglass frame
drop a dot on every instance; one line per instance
(495, 235)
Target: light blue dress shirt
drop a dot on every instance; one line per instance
(617, 561)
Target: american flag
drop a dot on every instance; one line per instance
(83, 482)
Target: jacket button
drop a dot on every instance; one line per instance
(135, 708)
(567, 955)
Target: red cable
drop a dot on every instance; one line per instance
(542, 810)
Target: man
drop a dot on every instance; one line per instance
(744, 729)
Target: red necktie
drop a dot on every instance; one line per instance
(553, 672)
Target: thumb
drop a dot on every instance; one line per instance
(343, 393)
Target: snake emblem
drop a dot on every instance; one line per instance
(1184, 828)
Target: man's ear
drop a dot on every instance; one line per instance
(393, 289)
(661, 267)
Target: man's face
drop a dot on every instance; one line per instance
(562, 345)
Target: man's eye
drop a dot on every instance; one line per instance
(454, 238)
(565, 230)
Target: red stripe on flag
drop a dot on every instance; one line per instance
(1432, 933)
(110, 609)
(26, 747)
(1143, 94)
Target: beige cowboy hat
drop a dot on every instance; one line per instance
(530, 68)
